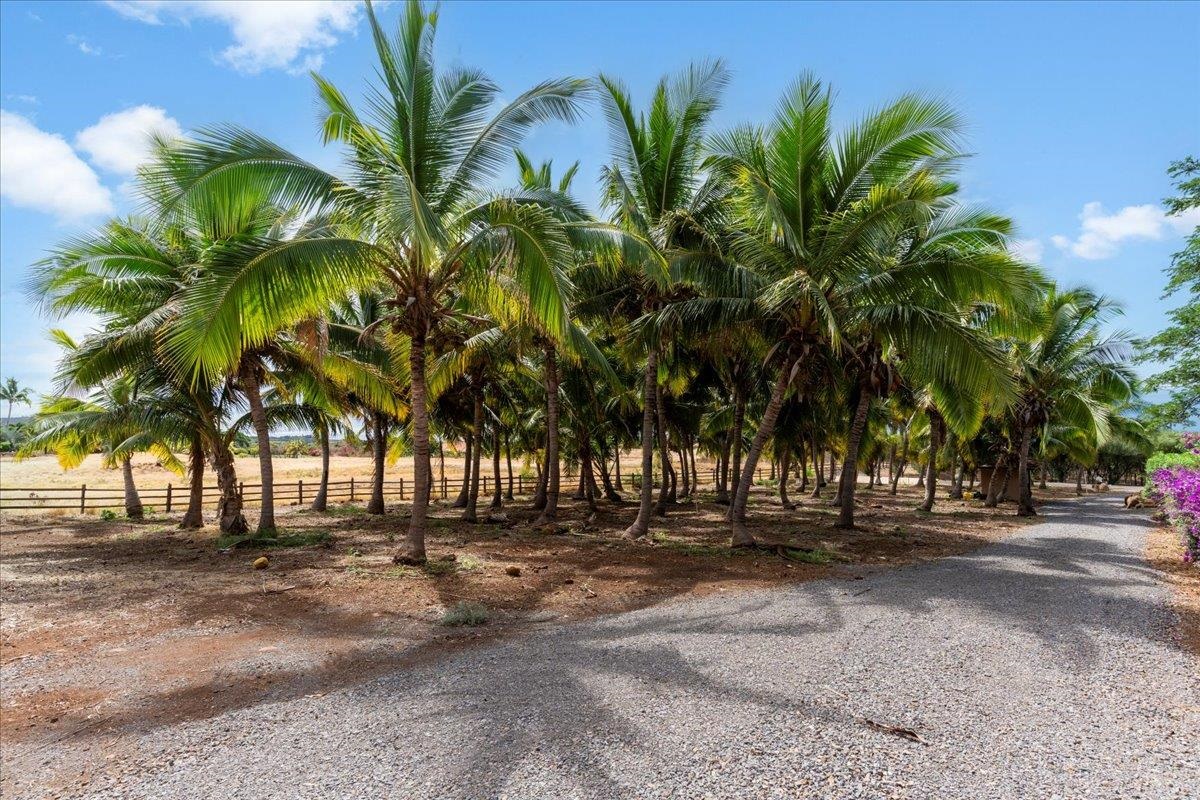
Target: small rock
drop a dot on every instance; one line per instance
(513, 571)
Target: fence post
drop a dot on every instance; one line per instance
(300, 491)
(242, 491)
(443, 487)
(169, 488)
(520, 484)
(82, 498)
(351, 488)
(401, 488)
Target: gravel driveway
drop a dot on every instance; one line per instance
(1037, 668)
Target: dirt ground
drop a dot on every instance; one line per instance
(1164, 549)
(114, 628)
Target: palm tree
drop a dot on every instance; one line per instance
(822, 219)
(116, 419)
(415, 195)
(1069, 373)
(11, 392)
(658, 193)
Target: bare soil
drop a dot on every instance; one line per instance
(112, 627)
(1164, 550)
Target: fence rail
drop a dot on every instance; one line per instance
(172, 497)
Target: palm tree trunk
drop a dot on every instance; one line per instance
(999, 478)
(739, 420)
(550, 510)
(641, 524)
(1042, 476)
(849, 482)
(258, 417)
(802, 466)
(723, 472)
(818, 466)
(1079, 481)
(684, 473)
(321, 501)
(461, 500)
(133, 503)
(498, 489)
(1025, 504)
(470, 513)
(903, 461)
(935, 444)
(785, 463)
(617, 466)
(667, 491)
(610, 493)
(194, 516)
(737, 512)
(956, 485)
(418, 522)
(508, 495)
(379, 434)
(229, 507)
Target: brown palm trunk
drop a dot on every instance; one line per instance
(741, 536)
(262, 430)
(379, 434)
(1079, 481)
(666, 492)
(617, 466)
(641, 524)
(723, 471)
(849, 482)
(935, 444)
(999, 478)
(956, 486)
(508, 458)
(785, 463)
(133, 503)
(1025, 503)
(465, 489)
(418, 523)
(553, 477)
(229, 507)
(802, 466)
(1042, 476)
(685, 479)
(899, 473)
(321, 501)
(194, 516)
(818, 468)
(498, 489)
(739, 421)
(470, 514)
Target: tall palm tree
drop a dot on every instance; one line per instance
(1071, 372)
(657, 191)
(419, 163)
(12, 392)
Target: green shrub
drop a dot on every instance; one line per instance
(108, 514)
(466, 613)
(1168, 460)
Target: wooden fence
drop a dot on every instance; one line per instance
(82, 499)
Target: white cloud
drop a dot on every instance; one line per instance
(120, 142)
(1028, 250)
(85, 47)
(39, 170)
(267, 34)
(1100, 234)
(31, 99)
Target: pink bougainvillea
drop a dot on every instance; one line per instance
(1179, 488)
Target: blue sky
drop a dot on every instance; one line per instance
(1075, 109)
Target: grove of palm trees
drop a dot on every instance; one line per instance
(748, 431)
(793, 291)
